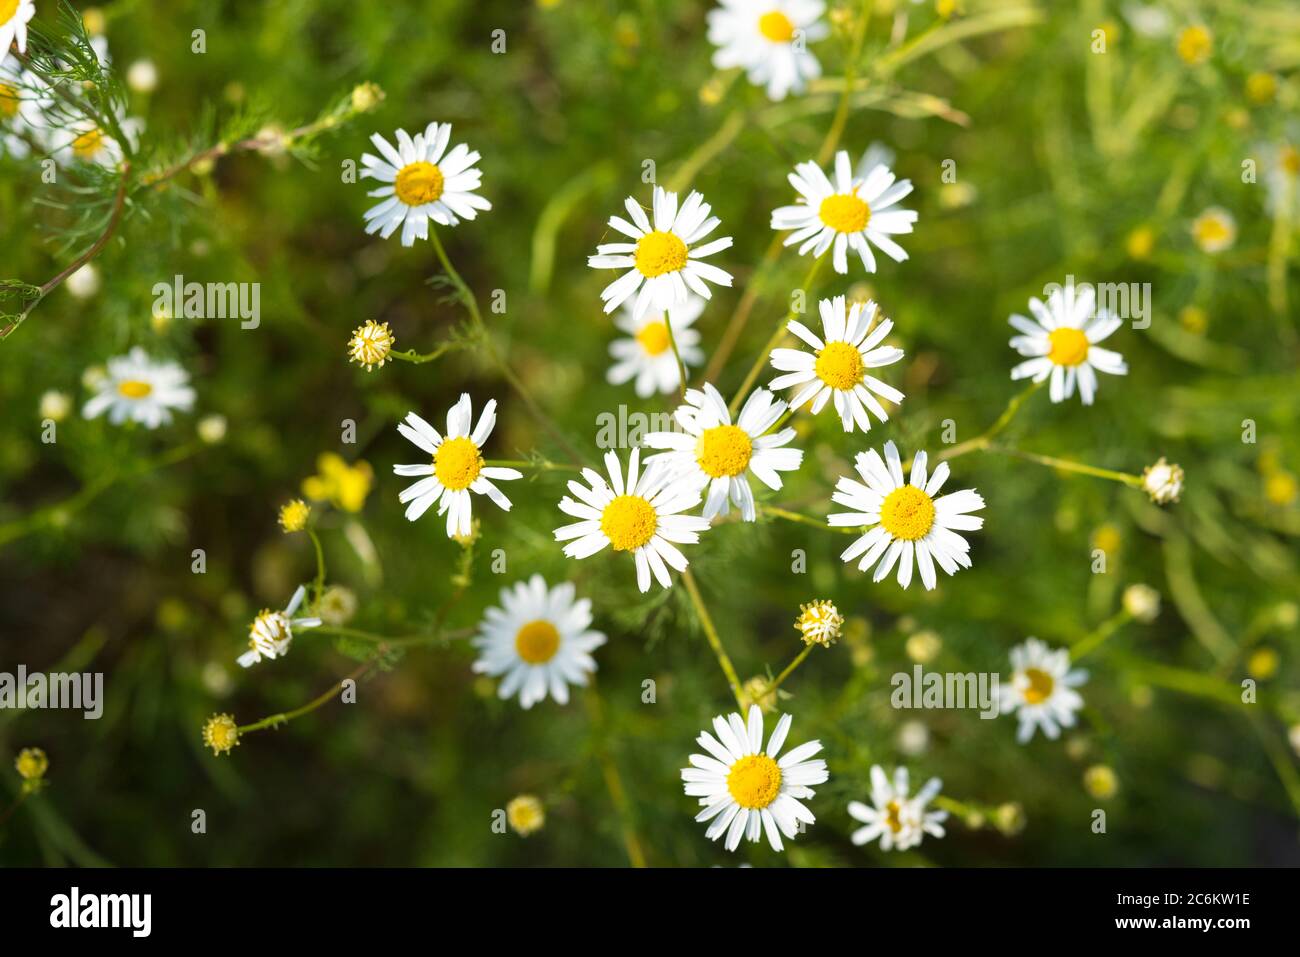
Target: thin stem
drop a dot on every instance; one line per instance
(982, 441)
(318, 586)
(802, 519)
(681, 366)
(1095, 639)
(613, 780)
(275, 720)
(114, 219)
(789, 670)
(761, 359)
(1133, 481)
(399, 641)
(410, 355)
(541, 466)
(715, 642)
(1279, 251)
(841, 117)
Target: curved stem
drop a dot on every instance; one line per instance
(275, 720)
(318, 586)
(1133, 481)
(983, 440)
(681, 366)
(715, 641)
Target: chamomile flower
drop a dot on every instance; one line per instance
(540, 639)
(457, 468)
(14, 15)
(423, 181)
(746, 790)
(85, 141)
(370, 344)
(646, 356)
(24, 98)
(910, 523)
(710, 452)
(271, 633)
(1163, 481)
(769, 40)
(641, 516)
(837, 367)
(899, 821)
(137, 389)
(660, 262)
(1041, 689)
(849, 213)
(1062, 340)
(1214, 230)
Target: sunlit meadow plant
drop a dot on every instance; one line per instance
(519, 646)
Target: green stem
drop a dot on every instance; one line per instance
(410, 355)
(275, 720)
(545, 465)
(318, 586)
(681, 366)
(715, 642)
(777, 337)
(1098, 635)
(841, 117)
(1133, 481)
(802, 519)
(613, 780)
(984, 439)
(789, 670)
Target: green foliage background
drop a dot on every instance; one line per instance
(1060, 154)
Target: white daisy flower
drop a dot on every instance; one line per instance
(1063, 343)
(837, 366)
(647, 355)
(14, 15)
(1214, 230)
(1041, 689)
(457, 467)
(769, 40)
(1163, 481)
(659, 260)
(271, 633)
(910, 523)
(24, 98)
(849, 213)
(422, 181)
(138, 389)
(540, 639)
(898, 820)
(83, 141)
(712, 453)
(641, 517)
(746, 790)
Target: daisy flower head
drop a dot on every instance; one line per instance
(14, 15)
(849, 213)
(540, 638)
(457, 468)
(837, 366)
(662, 268)
(909, 522)
(422, 181)
(85, 141)
(1214, 230)
(769, 40)
(646, 356)
(747, 791)
(641, 516)
(271, 633)
(1061, 341)
(898, 820)
(135, 388)
(710, 452)
(1041, 689)
(1163, 481)
(370, 344)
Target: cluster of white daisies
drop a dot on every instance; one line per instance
(29, 120)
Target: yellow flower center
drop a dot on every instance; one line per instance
(419, 183)
(537, 642)
(839, 365)
(892, 811)
(370, 344)
(134, 388)
(1069, 346)
(7, 10)
(907, 513)
(88, 144)
(1040, 685)
(457, 463)
(776, 26)
(8, 97)
(1195, 45)
(1212, 231)
(294, 515)
(653, 337)
(724, 450)
(845, 213)
(754, 781)
(220, 733)
(628, 522)
(658, 253)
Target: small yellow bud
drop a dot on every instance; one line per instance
(525, 814)
(221, 733)
(1100, 782)
(32, 764)
(923, 647)
(1140, 242)
(366, 96)
(819, 622)
(1263, 663)
(1194, 45)
(294, 515)
(1261, 88)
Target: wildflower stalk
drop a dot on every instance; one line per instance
(777, 337)
(802, 519)
(681, 366)
(1279, 251)
(711, 634)
(470, 302)
(318, 586)
(613, 780)
(841, 117)
(418, 358)
(1065, 465)
(400, 641)
(1094, 639)
(276, 720)
(982, 441)
(789, 670)
(544, 465)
